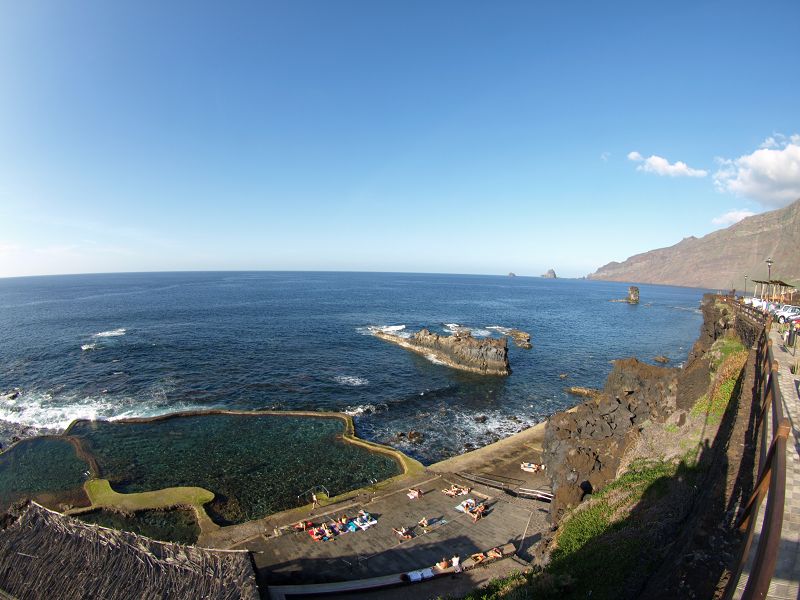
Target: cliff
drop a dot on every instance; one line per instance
(584, 446)
(721, 259)
(459, 351)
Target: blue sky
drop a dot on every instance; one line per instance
(417, 136)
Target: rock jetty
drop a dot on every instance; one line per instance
(460, 351)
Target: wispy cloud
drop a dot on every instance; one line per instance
(731, 217)
(769, 175)
(604, 156)
(661, 166)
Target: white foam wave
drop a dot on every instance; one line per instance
(360, 409)
(42, 410)
(434, 360)
(481, 333)
(500, 329)
(88, 346)
(351, 380)
(111, 333)
(397, 330)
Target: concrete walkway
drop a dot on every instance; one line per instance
(786, 580)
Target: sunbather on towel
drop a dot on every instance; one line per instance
(403, 532)
(495, 553)
(478, 557)
(477, 512)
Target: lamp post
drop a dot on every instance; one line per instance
(745, 286)
(769, 262)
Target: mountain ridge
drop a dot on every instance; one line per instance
(721, 258)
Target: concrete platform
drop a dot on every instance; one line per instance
(295, 558)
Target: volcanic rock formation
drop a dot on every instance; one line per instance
(460, 351)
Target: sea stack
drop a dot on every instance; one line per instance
(551, 274)
(633, 295)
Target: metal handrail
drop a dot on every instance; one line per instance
(771, 481)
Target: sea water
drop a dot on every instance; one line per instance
(137, 345)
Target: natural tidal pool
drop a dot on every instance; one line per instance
(179, 525)
(255, 464)
(46, 469)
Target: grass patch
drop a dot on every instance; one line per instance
(102, 496)
(671, 428)
(722, 349)
(714, 404)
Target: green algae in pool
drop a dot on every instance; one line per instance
(46, 469)
(255, 464)
(179, 525)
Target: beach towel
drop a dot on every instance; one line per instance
(466, 505)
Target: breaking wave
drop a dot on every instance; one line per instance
(398, 330)
(88, 346)
(351, 380)
(363, 409)
(111, 333)
(43, 410)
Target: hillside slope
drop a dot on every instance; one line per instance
(721, 259)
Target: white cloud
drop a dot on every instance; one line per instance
(661, 166)
(731, 217)
(770, 175)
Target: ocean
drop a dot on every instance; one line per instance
(133, 345)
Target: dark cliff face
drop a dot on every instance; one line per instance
(583, 447)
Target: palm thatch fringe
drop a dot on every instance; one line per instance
(44, 554)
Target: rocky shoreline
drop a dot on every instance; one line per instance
(459, 351)
(584, 447)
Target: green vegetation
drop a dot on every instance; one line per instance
(714, 404)
(102, 496)
(722, 349)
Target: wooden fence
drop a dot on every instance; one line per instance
(772, 429)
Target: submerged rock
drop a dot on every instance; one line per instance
(460, 351)
(661, 359)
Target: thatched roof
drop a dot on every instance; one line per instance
(44, 554)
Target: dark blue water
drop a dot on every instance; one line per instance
(174, 341)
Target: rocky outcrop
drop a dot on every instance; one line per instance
(585, 392)
(633, 296)
(521, 338)
(584, 446)
(551, 274)
(512, 274)
(460, 351)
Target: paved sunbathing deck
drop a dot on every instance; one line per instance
(295, 558)
(786, 580)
